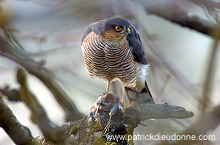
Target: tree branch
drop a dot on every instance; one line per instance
(171, 11)
(20, 57)
(18, 133)
(159, 111)
(208, 121)
(179, 16)
(107, 118)
(38, 115)
(210, 73)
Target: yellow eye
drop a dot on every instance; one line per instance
(118, 28)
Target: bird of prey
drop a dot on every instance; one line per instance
(112, 50)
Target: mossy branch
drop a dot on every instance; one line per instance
(92, 129)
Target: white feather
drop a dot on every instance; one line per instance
(141, 77)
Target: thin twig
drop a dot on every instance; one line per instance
(209, 75)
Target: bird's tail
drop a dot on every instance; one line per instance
(140, 97)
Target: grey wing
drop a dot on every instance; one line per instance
(87, 31)
(94, 27)
(135, 44)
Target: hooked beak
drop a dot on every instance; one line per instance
(128, 31)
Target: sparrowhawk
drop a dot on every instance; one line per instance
(112, 50)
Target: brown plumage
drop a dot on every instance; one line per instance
(112, 50)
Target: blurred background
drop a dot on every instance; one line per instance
(51, 30)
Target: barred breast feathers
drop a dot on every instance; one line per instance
(109, 60)
(94, 56)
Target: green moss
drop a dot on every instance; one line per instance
(74, 130)
(101, 141)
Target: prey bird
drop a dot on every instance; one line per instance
(112, 50)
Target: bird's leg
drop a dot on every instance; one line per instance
(131, 102)
(108, 85)
(123, 96)
(123, 99)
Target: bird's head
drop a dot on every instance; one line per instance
(115, 29)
